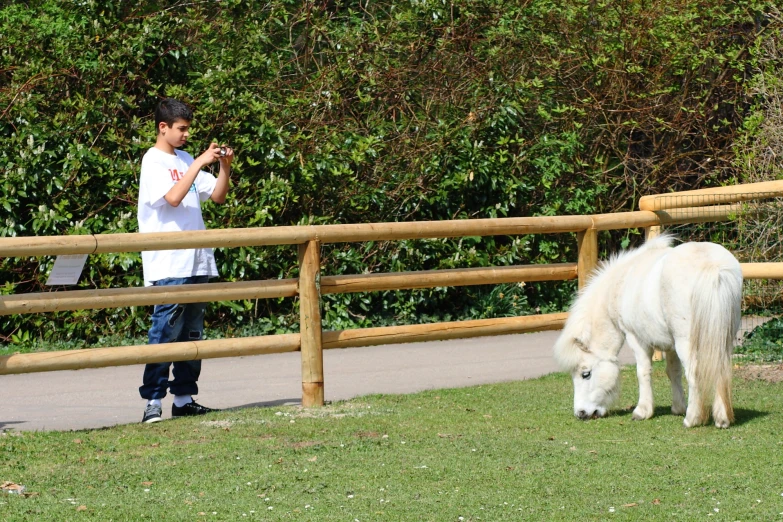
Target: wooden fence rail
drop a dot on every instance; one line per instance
(712, 196)
(311, 285)
(297, 235)
(272, 288)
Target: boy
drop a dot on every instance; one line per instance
(172, 186)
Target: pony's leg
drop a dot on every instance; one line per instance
(722, 409)
(644, 408)
(722, 413)
(696, 414)
(674, 371)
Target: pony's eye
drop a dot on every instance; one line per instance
(586, 375)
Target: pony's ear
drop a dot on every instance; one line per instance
(582, 346)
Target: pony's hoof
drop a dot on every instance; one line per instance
(641, 414)
(692, 423)
(678, 410)
(724, 423)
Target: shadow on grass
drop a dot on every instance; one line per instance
(269, 404)
(741, 415)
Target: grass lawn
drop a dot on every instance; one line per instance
(500, 452)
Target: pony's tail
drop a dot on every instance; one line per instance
(716, 305)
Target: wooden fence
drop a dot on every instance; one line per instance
(311, 285)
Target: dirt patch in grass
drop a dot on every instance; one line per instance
(368, 434)
(760, 372)
(305, 444)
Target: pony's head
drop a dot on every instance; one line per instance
(588, 353)
(596, 377)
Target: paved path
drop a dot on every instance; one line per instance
(95, 398)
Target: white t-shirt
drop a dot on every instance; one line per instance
(159, 172)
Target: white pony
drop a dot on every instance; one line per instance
(684, 301)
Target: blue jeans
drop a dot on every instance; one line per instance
(174, 323)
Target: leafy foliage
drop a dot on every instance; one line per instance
(764, 342)
(347, 112)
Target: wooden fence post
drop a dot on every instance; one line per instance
(650, 233)
(310, 324)
(587, 259)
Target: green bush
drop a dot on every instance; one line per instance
(345, 112)
(763, 343)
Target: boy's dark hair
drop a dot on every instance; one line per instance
(171, 110)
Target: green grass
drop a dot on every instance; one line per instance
(500, 452)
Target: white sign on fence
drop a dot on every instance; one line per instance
(67, 269)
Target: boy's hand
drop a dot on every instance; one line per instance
(210, 155)
(225, 156)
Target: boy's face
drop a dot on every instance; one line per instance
(177, 134)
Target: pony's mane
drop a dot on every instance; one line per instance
(579, 318)
(598, 279)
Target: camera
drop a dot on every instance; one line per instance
(223, 151)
